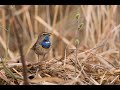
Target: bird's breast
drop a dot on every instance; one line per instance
(40, 50)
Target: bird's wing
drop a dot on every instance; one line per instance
(33, 47)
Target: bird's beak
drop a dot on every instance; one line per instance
(49, 34)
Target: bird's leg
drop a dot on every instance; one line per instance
(37, 71)
(44, 60)
(38, 58)
(44, 57)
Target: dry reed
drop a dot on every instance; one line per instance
(98, 51)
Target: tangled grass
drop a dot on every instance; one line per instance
(85, 44)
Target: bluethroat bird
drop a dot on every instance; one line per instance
(42, 45)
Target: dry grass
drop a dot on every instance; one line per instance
(95, 60)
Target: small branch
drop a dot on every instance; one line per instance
(20, 46)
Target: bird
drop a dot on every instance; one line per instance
(43, 44)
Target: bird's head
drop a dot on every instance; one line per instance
(45, 40)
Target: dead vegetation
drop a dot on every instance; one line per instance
(85, 44)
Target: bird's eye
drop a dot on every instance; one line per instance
(44, 34)
(44, 40)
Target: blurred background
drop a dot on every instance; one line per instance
(100, 23)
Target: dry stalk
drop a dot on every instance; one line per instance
(20, 46)
(65, 57)
(114, 79)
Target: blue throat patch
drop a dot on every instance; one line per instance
(46, 42)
